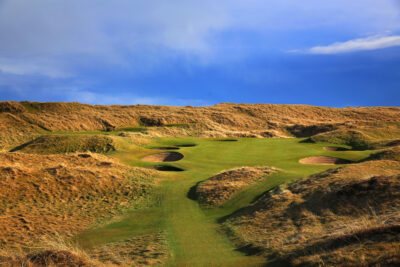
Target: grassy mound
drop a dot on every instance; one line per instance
(339, 217)
(55, 144)
(392, 153)
(223, 186)
(371, 136)
(42, 195)
(355, 139)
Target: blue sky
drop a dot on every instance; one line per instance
(179, 52)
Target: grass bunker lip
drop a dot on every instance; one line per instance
(164, 157)
(227, 140)
(165, 148)
(165, 168)
(324, 160)
(335, 148)
(186, 145)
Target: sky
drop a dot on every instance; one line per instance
(180, 52)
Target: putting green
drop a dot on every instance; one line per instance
(193, 233)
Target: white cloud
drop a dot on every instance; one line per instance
(134, 34)
(32, 67)
(362, 44)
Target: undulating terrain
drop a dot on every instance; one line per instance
(224, 185)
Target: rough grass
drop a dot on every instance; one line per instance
(57, 144)
(333, 218)
(41, 195)
(142, 250)
(361, 137)
(21, 121)
(392, 153)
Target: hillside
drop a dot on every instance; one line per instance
(45, 195)
(84, 185)
(20, 122)
(340, 217)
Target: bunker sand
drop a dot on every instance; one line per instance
(323, 160)
(163, 157)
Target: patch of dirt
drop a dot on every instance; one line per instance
(223, 186)
(164, 157)
(323, 160)
(335, 148)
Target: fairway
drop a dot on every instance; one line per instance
(193, 234)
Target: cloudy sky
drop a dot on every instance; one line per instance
(181, 52)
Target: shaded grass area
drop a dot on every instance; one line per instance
(193, 234)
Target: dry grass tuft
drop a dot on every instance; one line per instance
(140, 250)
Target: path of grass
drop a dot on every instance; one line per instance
(192, 232)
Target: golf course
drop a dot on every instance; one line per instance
(193, 234)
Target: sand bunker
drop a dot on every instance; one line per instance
(335, 148)
(165, 168)
(166, 148)
(323, 160)
(163, 157)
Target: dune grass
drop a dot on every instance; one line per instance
(193, 234)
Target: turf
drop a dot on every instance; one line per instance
(193, 234)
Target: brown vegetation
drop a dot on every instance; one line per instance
(54, 144)
(223, 186)
(341, 217)
(50, 257)
(42, 195)
(392, 153)
(137, 251)
(19, 122)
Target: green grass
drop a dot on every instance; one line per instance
(193, 233)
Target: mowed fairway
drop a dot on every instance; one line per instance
(192, 233)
